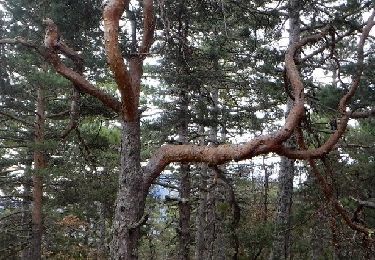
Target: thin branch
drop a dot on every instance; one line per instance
(363, 114)
(74, 113)
(166, 185)
(365, 203)
(16, 119)
(74, 106)
(328, 191)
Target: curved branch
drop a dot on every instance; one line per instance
(342, 107)
(148, 26)
(19, 40)
(80, 82)
(74, 113)
(262, 144)
(111, 15)
(360, 54)
(327, 189)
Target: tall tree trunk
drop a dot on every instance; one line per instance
(317, 241)
(281, 244)
(201, 219)
(102, 252)
(210, 232)
(216, 236)
(184, 204)
(130, 202)
(184, 213)
(25, 255)
(39, 165)
(266, 187)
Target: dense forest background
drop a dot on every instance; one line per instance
(212, 74)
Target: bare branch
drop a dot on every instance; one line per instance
(365, 203)
(363, 114)
(74, 113)
(19, 40)
(82, 84)
(16, 118)
(359, 69)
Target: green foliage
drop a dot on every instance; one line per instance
(329, 97)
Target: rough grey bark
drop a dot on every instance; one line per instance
(218, 212)
(201, 221)
(25, 255)
(39, 165)
(203, 238)
(266, 187)
(184, 206)
(281, 243)
(222, 244)
(102, 251)
(317, 243)
(130, 198)
(210, 247)
(215, 239)
(184, 213)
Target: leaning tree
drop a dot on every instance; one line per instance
(134, 180)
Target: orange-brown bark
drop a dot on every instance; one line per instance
(111, 16)
(81, 83)
(78, 80)
(128, 80)
(328, 191)
(342, 108)
(148, 26)
(262, 144)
